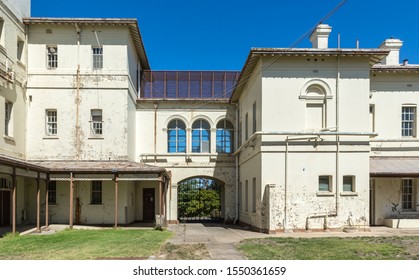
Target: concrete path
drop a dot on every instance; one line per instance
(221, 239)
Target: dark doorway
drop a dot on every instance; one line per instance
(199, 199)
(4, 208)
(148, 205)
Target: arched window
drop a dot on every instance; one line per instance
(176, 136)
(225, 137)
(201, 137)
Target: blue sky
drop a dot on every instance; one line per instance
(218, 34)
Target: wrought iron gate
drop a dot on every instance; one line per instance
(199, 199)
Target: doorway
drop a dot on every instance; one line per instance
(148, 205)
(4, 208)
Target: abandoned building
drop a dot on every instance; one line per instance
(301, 138)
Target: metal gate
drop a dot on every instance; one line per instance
(199, 199)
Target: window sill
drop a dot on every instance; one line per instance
(97, 137)
(348, 194)
(50, 137)
(9, 138)
(325, 194)
(21, 64)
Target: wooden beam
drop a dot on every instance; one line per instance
(38, 204)
(71, 200)
(46, 203)
(14, 200)
(116, 201)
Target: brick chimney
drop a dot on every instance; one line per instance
(320, 36)
(394, 45)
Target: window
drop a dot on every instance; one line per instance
(407, 195)
(96, 122)
(314, 116)
(240, 195)
(225, 137)
(246, 126)
(20, 46)
(325, 183)
(97, 57)
(246, 195)
(7, 118)
(409, 121)
(96, 193)
(52, 192)
(52, 56)
(254, 195)
(372, 117)
(254, 117)
(201, 136)
(176, 136)
(1, 32)
(348, 184)
(51, 122)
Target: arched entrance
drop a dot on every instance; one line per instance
(200, 199)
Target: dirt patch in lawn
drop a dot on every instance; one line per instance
(171, 251)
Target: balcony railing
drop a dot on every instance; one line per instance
(188, 84)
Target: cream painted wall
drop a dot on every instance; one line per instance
(388, 199)
(389, 92)
(13, 30)
(221, 167)
(109, 89)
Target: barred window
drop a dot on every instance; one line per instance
(52, 57)
(97, 57)
(409, 121)
(96, 122)
(96, 192)
(52, 192)
(407, 195)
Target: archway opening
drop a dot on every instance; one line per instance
(200, 200)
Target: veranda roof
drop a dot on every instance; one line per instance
(394, 166)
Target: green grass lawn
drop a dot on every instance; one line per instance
(362, 248)
(84, 244)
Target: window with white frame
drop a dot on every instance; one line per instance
(1, 32)
(201, 136)
(224, 137)
(52, 57)
(8, 106)
(20, 46)
(176, 136)
(51, 122)
(325, 183)
(407, 195)
(97, 53)
(348, 183)
(96, 192)
(409, 121)
(96, 122)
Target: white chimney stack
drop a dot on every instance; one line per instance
(394, 45)
(320, 36)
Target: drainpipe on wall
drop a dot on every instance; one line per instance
(337, 136)
(78, 30)
(236, 143)
(155, 105)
